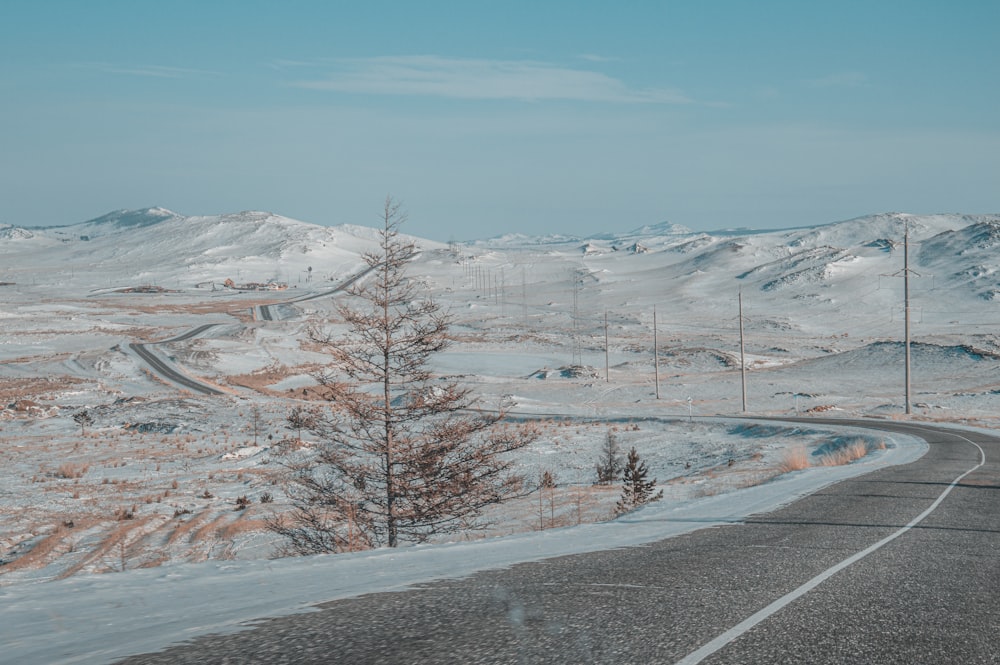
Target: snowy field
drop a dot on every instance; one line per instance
(97, 618)
(136, 511)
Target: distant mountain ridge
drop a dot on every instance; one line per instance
(124, 219)
(155, 243)
(833, 232)
(152, 245)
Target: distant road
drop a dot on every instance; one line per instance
(901, 565)
(171, 374)
(267, 315)
(168, 372)
(340, 287)
(188, 335)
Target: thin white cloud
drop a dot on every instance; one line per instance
(593, 57)
(482, 79)
(282, 64)
(149, 71)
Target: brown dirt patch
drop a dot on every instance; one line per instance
(34, 389)
(261, 379)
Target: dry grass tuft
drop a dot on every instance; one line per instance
(40, 554)
(853, 450)
(185, 529)
(34, 389)
(71, 470)
(794, 459)
(242, 526)
(262, 379)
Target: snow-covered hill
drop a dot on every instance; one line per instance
(157, 246)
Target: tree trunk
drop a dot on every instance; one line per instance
(390, 498)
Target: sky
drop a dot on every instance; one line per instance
(564, 117)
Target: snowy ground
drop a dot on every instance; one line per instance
(96, 618)
(137, 511)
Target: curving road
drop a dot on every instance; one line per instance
(188, 335)
(340, 287)
(159, 366)
(901, 565)
(267, 315)
(168, 372)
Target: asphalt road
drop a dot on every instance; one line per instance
(898, 566)
(337, 289)
(267, 315)
(168, 372)
(188, 335)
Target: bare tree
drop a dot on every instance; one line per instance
(300, 418)
(83, 419)
(399, 454)
(255, 422)
(636, 490)
(546, 485)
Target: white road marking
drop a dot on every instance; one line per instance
(747, 624)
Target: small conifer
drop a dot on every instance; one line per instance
(636, 490)
(609, 465)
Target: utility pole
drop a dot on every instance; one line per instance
(906, 308)
(607, 362)
(743, 362)
(906, 315)
(503, 293)
(524, 298)
(577, 353)
(656, 357)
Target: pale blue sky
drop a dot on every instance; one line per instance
(488, 118)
